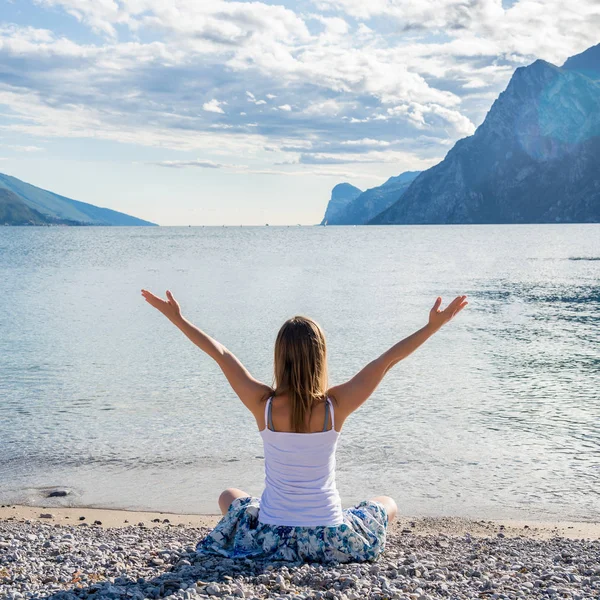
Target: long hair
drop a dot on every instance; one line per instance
(300, 367)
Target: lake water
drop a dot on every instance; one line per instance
(497, 415)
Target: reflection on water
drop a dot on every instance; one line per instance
(498, 415)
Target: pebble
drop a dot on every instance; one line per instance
(39, 559)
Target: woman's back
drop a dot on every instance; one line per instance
(281, 413)
(300, 487)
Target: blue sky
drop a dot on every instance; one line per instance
(220, 112)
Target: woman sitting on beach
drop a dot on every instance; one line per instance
(299, 516)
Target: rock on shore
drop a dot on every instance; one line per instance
(43, 560)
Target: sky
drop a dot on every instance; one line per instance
(209, 112)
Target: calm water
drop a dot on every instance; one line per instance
(498, 415)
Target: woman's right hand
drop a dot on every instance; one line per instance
(438, 317)
(169, 307)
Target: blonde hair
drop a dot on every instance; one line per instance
(300, 367)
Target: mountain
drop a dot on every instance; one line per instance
(534, 159)
(58, 209)
(374, 200)
(13, 211)
(341, 195)
(588, 62)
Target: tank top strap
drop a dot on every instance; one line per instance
(330, 406)
(326, 416)
(268, 415)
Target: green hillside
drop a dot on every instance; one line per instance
(13, 211)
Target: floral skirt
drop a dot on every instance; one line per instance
(239, 534)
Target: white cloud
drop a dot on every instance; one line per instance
(180, 164)
(217, 21)
(252, 98)
(334, 26)
(33, 116)
(25, 148)
(552, 29)
(327, 107)
(461, 124)
(376, 156)
(346, 79)
(100, 15)
(364, 33)
(475, 83)
(213, 106)
(293, 169)
(365, 142)
(416, 112)
(434, 14)
(323, 172)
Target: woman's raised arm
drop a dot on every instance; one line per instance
(249, 390)
(353, 393)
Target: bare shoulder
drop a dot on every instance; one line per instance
(266, 393)
(259, 405)
(335, 394)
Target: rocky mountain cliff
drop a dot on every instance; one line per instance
(587, 62)
(372, 201)
(341, 195)
(40, 207)
(534, 159)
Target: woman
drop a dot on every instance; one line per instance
(299, 516)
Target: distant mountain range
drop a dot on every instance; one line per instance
(350, 206)
(534, 159)
(341, 195)
(25, 204)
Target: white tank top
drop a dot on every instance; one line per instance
(300, 487)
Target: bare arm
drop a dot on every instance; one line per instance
(249, 390)
(354, 393)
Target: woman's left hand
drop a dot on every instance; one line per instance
(169, 307)
(438, 317)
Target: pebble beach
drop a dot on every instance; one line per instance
(71, 553)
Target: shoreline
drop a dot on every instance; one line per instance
(423, 526)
